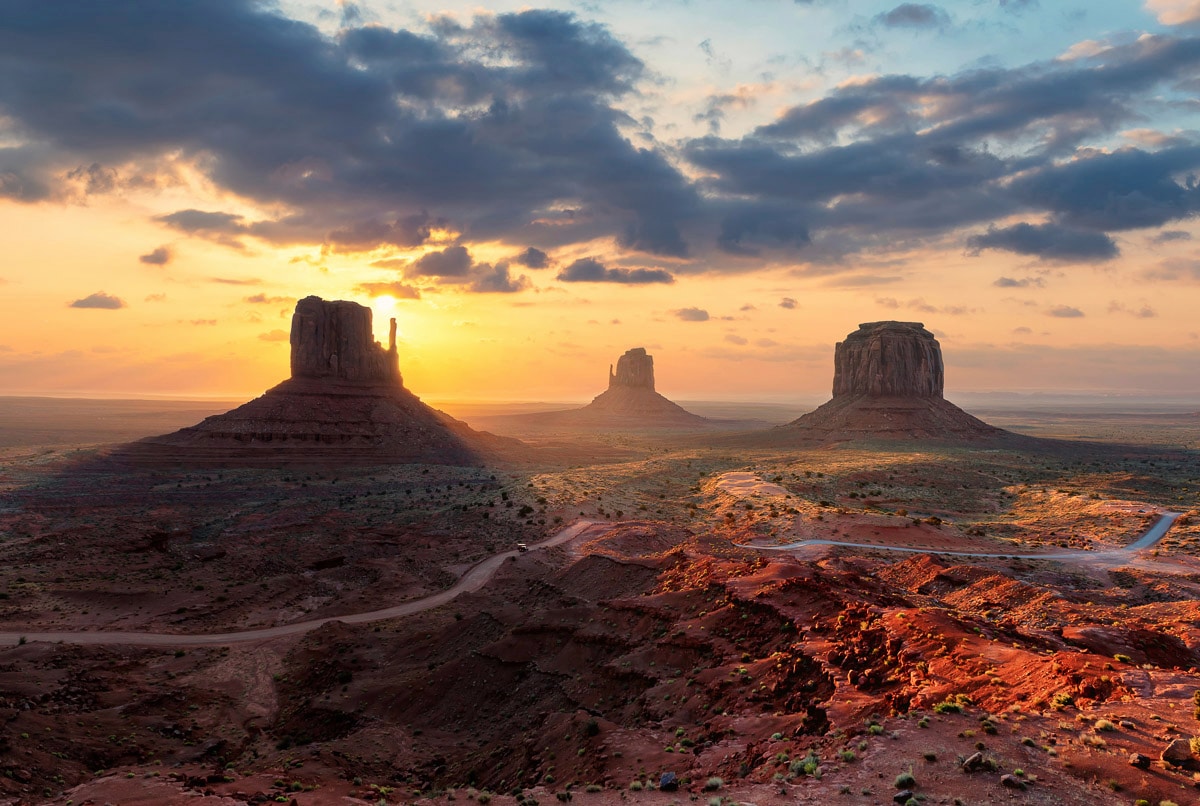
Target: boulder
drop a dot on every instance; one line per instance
(1011, 781)
(1177, 753)
(1138, 760)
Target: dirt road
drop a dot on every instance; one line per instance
(1145, 541)
(472, 580)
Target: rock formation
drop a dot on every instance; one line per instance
(888, 359)
(887, 384)
(345, 403)
(635, 370)
(334, 340)
(629, 403)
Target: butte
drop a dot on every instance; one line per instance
(888, 379)
(630, 402)
(345, 403)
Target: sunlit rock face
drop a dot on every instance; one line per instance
(333, 339)
(635, 370)
(888, 359)
(888, 379)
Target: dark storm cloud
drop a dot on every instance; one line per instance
(484, 126)
(1048, 241)
(511, 128)
(533, 258)
(913, 15)
(156, 257)
(1126, 189)
(453, 261)
(1166, 236)
(901, 156)
(590, 270)
(407, 231)
(99, 300)
(497, 280)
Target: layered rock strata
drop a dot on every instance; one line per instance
(888, 379)
(344, 404)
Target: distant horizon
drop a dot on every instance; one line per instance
(532, 189)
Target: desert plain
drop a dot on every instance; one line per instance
(690, 631)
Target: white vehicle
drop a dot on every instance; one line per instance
(522, 547)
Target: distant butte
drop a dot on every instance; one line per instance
(345, 403)
(630, 402)
(888, 379)
(631, 396)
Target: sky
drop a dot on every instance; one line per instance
(532, 189)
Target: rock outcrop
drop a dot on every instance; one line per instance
(334, 340)
(629, 403)
(344, 404)
(888, 359)
(888, 379)
(635, 370)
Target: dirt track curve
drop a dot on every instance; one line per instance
(1148, 538)
(472, 580)
(481, 573)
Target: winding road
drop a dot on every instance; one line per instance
(472, 580)
(481, 573)
(1148, 539)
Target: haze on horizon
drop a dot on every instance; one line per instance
(534, 189)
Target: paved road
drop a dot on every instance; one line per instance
(1148, 539)
(473, 580)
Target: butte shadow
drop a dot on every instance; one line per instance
(345, 403)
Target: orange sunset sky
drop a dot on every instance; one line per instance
(532, 190)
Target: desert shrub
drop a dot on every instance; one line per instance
(805, 766)
(1062, 699)
(848, 755)
(905, 780)
(1122, 658)
(635, 786)
(947, 707)
(1104, 724)
(714, 783)
(593, 788)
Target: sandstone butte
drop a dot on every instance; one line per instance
(888, 379)
(629, 402)
(345, 402)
